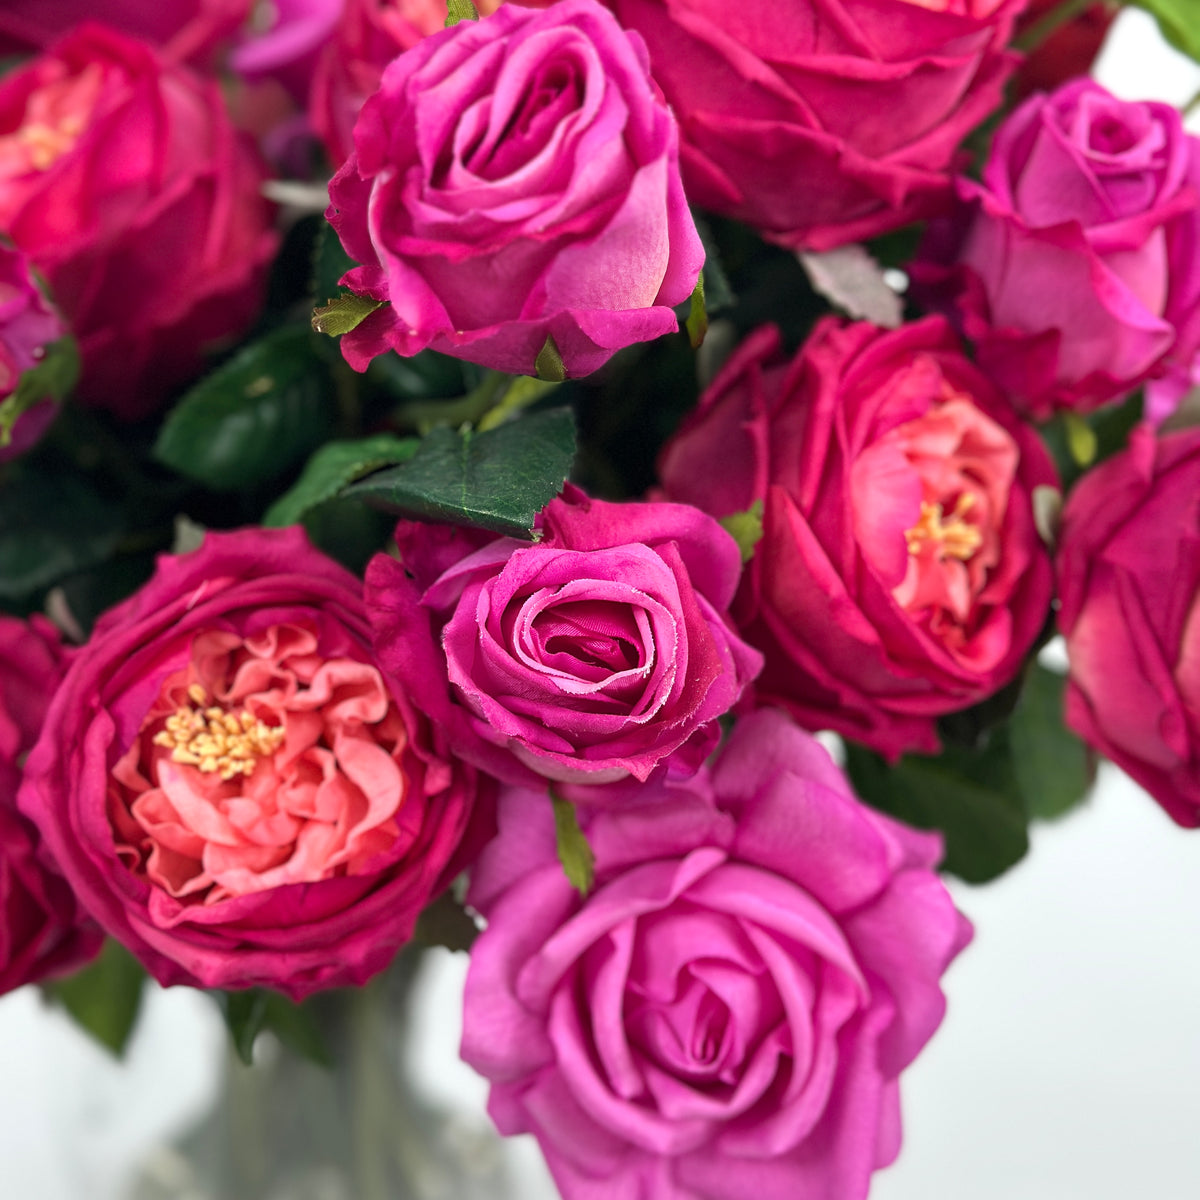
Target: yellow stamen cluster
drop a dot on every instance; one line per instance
(952, 536)
(211, 739)
(46, 144)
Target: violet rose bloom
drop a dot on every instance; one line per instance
(728, 1012)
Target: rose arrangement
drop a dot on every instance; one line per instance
(529, 619)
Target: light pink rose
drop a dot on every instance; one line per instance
(123, 180)
(1129, 579)
(232, 788)
(514, 180)
(820, 122)
(728, 1012)
(42, 931)
(899, 575)
(587, 657)
(28, 324)
(1075, 266)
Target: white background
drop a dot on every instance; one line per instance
(1068, 1067)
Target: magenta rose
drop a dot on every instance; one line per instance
(122, 178)
(899, 575)
(1129, 581)
(820, 122)
(42, 931)
(28, 326)
(182, 28)
(1075, 266)
(728, 1012)
(589, 656)
(230, 785)
(515, 180)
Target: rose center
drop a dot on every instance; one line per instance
(213, 739)
(55, 117)
(948, 537)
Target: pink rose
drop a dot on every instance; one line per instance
(899, 575)
(231, 787)
(28, 324)
(1074, 266)
(728, 1012)
(587, 657)
(123, 180)
(1129, 579)
(516, 180)
(820, 122)
(41, 929)
(182, 28)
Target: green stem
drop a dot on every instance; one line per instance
(1039, 31)
(423, 415)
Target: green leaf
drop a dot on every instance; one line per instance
(746, 528)
(332, 468)
(697, 318)
(346, 311)
(51, 528)
(549, 364)
(574, 852)
(1053, 767)
(460, 10)
(254, 417)
(446, 923)
(1178, 20)
(53, 377)
(498, 480)
(970, 797)
(105, 996)
(246, 1016)
(249, 1013)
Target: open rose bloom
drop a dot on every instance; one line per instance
(230, 785)
(728, 1012)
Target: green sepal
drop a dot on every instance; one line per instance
(549, 364)
(460, 10)
(343, 313)
(574, 852)
(697, 319)
(746, 528)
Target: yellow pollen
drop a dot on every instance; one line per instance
(46, 144)
(209, 738)
(952, 536)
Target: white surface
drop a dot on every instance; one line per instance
(1068, 1067)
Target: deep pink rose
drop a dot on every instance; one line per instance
(899, 575)
(820, 122)
(1069, 51)
(182, 28)
(728, 1012)
(28, 324)
(231, 787)
(123, 180)
(1129, 579)
(516, 180)
(587, 657)
(1075, 266)
(42, 931)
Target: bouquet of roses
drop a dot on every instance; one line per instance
(451, 467)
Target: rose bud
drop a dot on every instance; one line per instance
(514, 196)
(38, 362)
(233, 789)
(122, 179)
(1129, 580)
(821, 122)
(588, 657)
(42, 931)
(727, 1013)
(899, 575)
(1074, 267)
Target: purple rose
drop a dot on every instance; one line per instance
(728, 1012)
(587, 657)
(1075, 266)
(516, 179)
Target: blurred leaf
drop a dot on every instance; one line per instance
(1053, 767)
(254, 417)
(446, 923)
(852, 281)
(970, 797)
(717, 292)
(1179, 22)
(349, 531)
(746, 528)
(344, 312)
(249, 1013)
(105, 996)
(330, 263)
(498, 480)
(51, 527)
(574, 852)
(1081, 439)
(54, 377)
(333, 467)
(427, 375)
